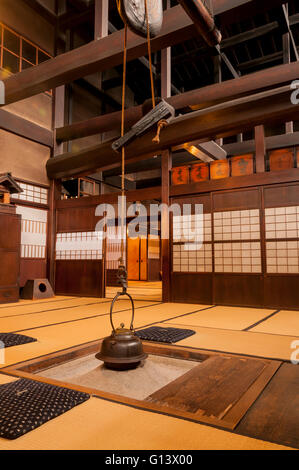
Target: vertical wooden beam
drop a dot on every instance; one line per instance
(217, 68)
(286, 47)
(101, 24)
(55, 185)
(260, 148)
(58, 113)
(166, 68)
(165, 241)
(101, 19)
(54, 195)
(166, 73)
(217, 79)
(69, 89)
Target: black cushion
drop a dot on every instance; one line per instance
(164, 335)
(25, 405)
(12, 339)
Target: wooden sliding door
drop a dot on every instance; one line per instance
(250, 250)
(137, 259)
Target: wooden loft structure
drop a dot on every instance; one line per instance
(230, 100)
(214, 308)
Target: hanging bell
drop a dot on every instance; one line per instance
(122, 350)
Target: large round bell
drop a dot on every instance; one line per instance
(122, 350)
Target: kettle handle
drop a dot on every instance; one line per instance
(120, 294)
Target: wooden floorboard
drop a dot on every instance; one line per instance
(274, 416)
(212, 388)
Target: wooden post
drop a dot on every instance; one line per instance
(101, 16)
(101, 22)
(166, 68)
(286, 47)
(166, 73)
(165, 242)
(101, 19)
(217, 79)
(260, 148)
(58, 110)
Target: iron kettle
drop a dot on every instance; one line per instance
(122, 350)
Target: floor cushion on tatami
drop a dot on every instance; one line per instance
(12, 339)
(164, 335)
(27, 404)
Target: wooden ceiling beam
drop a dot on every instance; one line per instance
(42, 10)
(106, 53)
(286, 18)
(235, 40)
(221, 120)
(95, 57)
(237, 148)
(200, 98)
(270, 58)
(273, 142)
(22, 127)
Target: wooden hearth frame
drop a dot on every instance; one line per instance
(29, 369)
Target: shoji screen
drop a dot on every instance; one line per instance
(79, 251)
(32, 205)
(282, 245)
(237, 241)
(251, 255)
(192, 276)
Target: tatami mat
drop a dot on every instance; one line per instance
(30, 302)
(5, 379)
(36, 307)
(99, 424)
(231, 318)
(119, 426)
(65, 335)
(285, 322)
(238, 342)
(67, 314)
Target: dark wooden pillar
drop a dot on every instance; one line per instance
(217, 62)
(101, 15)
(58, 120)
(166, 68)
(260, 148)
(101, 20)
(165, 242)
(286, 47)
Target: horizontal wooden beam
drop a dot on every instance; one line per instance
(273, 142)
(234, 40)
(200, 98)
(271, 177)
(207, 124)
(236, 182)
(42, 10)
(237, 148)
(95, 57)
(111, 198)
(22, 127)
(106, 53)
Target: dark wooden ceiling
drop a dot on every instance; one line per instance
(250, 45)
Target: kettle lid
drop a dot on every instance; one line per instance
(121, 330)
